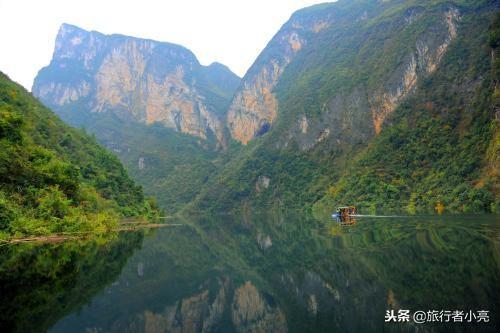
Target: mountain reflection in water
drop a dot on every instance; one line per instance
(272, 273)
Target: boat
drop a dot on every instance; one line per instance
(344, 212)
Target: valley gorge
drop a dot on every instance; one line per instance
(325, 88)
(349, 180)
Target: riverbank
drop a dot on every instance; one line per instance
(127, 225)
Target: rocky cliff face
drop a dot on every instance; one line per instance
(422, 59)
(136, 79)
(254, 107)
(336, 78)
(322, 44)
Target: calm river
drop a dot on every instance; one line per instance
(262, 273)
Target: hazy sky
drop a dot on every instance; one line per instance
(232, 32)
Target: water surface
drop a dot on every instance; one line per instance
(260, 273)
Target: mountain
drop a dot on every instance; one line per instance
(136, 79)
(170, 166)
(389, 105)
(254, 106)
(54, 178)
(325, 60)
(151, 103)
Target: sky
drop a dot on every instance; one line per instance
(232, 32)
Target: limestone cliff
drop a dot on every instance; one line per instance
(421, 60)
(335, 79)
(357, 84)
(136, 79)
(321, 44)
(254, 106)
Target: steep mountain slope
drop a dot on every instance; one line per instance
(254, 106)
(332, 56)
(136, 79)
(151, 103)
(54, 178)
(384, 104)
(441, 150)
(171, 166)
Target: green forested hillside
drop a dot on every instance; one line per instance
(172, 167)
(54, 178)
(387, 105)
(437, 150)
(441, 148)
(165, 126)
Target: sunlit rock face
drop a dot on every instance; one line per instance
(262, 183)
(136, 79)
(423, 59)
(254, 106)
(301, 63)
(353, 114)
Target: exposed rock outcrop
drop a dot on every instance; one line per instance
(254, 107)
(262, 183)
(424, 59)
(141, 164)
(136, 79)
(312, 305)
(264, 241)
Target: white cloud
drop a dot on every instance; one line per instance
(231, 32)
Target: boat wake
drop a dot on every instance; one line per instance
(359, 215)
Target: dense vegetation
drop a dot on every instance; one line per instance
(437, 152)
(172, 167)
(441, 149)
(54, 178)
